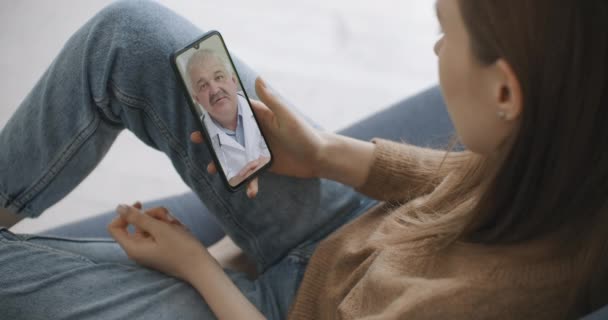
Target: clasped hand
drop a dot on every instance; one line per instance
(160, 241)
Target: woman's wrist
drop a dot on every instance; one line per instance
(324, 160)
(201, 261)
(217, 289)
(344, 159)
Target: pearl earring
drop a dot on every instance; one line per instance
(502, 115)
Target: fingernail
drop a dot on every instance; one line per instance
(170, 217)
(122, 209)
(262, 83)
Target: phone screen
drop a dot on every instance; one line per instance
(220, 103)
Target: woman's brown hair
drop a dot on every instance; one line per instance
(553, 176)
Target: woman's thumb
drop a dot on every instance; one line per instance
(262, 111)
(269, 98)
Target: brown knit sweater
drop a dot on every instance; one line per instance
(349, 278)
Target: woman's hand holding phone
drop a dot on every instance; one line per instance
(296, 146)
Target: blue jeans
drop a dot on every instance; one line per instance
(114, 73)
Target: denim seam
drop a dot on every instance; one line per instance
(106, 112)
(145, 106)
(20, 201)
(66, 254)
(6, 202)
(26, 236)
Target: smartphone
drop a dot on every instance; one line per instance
(217, 98)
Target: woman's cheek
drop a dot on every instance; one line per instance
(453, 80)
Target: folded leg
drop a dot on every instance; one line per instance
(114, 73)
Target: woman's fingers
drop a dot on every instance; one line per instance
(163, 214)
(136, 247)
(197, 137)
(252, 188)
(160, 213)
(138, 219)
(133, 245)
(269, 99)
(118, 228)
(264, 114)
(246, 170)
(138, 231)
(211, 168)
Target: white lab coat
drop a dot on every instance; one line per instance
(231, 154)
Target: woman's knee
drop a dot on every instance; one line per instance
(134, 13)
(145, 24)
(141, 34)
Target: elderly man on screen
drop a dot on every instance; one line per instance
(229, 120)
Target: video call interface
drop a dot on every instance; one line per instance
(223, 109)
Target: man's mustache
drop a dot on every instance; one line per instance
(217, 96)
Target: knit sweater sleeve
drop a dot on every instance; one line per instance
(401, 172)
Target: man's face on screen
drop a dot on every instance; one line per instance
(215, 89)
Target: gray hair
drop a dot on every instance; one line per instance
(201, 55)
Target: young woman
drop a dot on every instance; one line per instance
(513, 228)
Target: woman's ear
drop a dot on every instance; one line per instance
(508, 94)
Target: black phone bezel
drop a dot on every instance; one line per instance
(202, 128)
